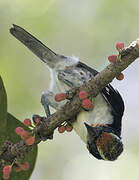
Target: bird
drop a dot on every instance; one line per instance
(100, 128)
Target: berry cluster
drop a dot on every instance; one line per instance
(63, 128)
(8, 169)
(86, 102)
(113, 58)
(29, 139)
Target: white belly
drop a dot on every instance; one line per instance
(99, 115)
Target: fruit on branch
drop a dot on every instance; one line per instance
(119, 46)
(87, 104)
(83, 95)
(27, 122)
(120, 77)
(112, 58)
(60, 97)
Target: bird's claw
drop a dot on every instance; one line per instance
(37, 119)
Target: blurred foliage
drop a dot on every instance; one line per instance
(88, 29)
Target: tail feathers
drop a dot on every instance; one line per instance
(36, 46)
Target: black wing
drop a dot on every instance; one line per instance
(113, 97)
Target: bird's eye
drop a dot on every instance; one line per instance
(81, 73)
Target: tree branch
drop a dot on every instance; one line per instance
(73, 107)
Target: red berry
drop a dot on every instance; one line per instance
(83, 94)
(120, 77)
(119, 45)
(6, 176)
(24, 135)
(87, 104)
(60, 97)
(7, 169)
(69, 128)
(27, 122)
(61, 129)
(30, 140)
(24, 166)
(112, 58)
(19, 130)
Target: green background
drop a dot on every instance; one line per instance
(86, 29)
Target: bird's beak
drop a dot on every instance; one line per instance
(92, 131)
(89, 128)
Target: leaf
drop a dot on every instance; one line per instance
(8, 123)
(12, 123)
(3, 112)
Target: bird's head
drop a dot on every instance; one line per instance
(103, 143)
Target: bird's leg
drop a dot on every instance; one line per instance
(47, 99)
(45, 104)
(40, 119)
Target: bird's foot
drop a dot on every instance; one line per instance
(37, 119)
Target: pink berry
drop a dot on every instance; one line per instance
(83, 95)
(30, 140)
(61, 129)
(60, 97)
(7, 169)
(24, 135)
(119, 45)
(120, 77)
(27, 122)
(112, 58)
(19, 130)
(6, 176)
(87, 104)
(24, 166)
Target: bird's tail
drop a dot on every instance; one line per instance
(36, 46)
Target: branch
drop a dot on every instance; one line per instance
(72, 108)
(93, 87)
